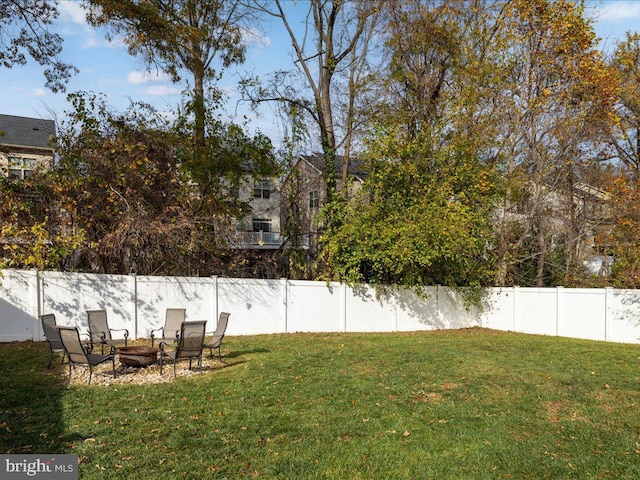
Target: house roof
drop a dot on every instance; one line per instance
(26, 132)
(356, 168)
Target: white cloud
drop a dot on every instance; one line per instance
(139, 78)
(255, 38)
(38, 92)
(72, 11)
(162, 90)
(73, 22)
(618, 11)
(94, 39)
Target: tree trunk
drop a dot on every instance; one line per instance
(199, 111)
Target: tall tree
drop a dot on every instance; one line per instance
(333, 31)
(119, 182)
(424, 213)
(121, 178)
(625, 235)
(201, 37)
(626, 138)
(561, 98)
(24, 31)
(32, 234)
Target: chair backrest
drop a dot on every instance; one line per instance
(173, 322)
(218, 335)
(191, 339)
(70, 338)
(50, 331)
(223, 320)
(98, 326)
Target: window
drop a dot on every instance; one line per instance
(261, 224)
(21, 168)
(262, 189)
(314, 199)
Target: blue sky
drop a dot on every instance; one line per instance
(109, 69)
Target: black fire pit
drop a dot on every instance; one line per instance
(138, 356)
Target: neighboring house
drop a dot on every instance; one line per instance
(25, 145)
(593, 204)
(260, 227)
(311, 190)
(590, 208)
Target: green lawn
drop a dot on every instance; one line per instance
(469, 404)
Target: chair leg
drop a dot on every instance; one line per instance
(90, 374)
(113, 364)
(50, 358)
(69, 379)
(174, 368)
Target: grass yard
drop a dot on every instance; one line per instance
(469, 404)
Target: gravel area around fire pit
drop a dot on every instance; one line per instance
(103, 375)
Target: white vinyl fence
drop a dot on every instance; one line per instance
(138, 303)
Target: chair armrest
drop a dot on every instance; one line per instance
(126, 332)
(88, 343)
(157, 330)
(99, 334)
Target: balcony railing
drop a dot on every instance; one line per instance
(256, 240)
(261, 240)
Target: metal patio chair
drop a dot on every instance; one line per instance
(99, 331)
(53, 336)
(78, 354)
(172, 324)
(190, 345)
(218, 335)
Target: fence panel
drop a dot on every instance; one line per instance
(315, 307)
(255, 305)
(279, 306)
(501, 305)
(18, 306)
(415, 312)
(368, 311)
(70, 295)
(623, 315)
(582, 313)
(536, 311)
(452, 311)
(155, 294)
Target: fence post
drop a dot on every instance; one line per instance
(36, 296)
(394, 299)
(343, 290)
(285, 303)
(516, 307)
(438, 303)
(216, 302)
(559, 309)
(133, 279)
(608, 292)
